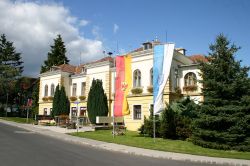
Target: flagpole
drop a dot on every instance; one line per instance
(154, 125)
(114, 109)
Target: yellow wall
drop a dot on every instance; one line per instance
(43, 105)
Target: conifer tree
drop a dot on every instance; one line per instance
(63, 104)
(56, 56)
(224, 118)
(56, 101)
(10, 66)
(97, 101)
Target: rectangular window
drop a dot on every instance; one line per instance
(137, 112)
(73, 111)
(83, 88)
(50, 111)
(74, 89)
(45, 112)
(83, 111)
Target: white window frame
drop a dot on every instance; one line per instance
(133, 117)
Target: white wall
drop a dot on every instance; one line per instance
(187, 69)
(49, 80)
(144, 64)
(98, 73)
(78, 81)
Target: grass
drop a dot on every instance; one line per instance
(134, 139)
(17, 119)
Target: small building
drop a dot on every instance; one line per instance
(183, 81)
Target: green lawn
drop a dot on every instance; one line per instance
(17, 119)
(134, 139)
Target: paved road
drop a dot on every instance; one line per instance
(20, 147)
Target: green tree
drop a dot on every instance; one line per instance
(224, 118)
(10, 68)
(97, 104)
(148, 125)
(56, 101)
(63, 104)
(35, 96)
(56, 56)
(168, 123)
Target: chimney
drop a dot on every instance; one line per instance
(181, 50)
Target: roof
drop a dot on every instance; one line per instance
(109, 58)
(67, 68)
(198, 58)
(78, 69)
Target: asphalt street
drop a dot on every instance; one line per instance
(19, 147)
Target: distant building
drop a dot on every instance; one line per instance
(77, 81)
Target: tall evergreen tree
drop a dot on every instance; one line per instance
(10, 66)
(224, 118)
(63, 104)
(56, 56)
(56, 101)
(97, 101)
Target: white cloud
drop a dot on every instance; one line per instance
(83, 22)
(115, 28)
(33, 26)
(96, 32)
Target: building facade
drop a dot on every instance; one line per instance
(183, 81)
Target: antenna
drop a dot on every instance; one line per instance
(117, 48)
(166, 36)
(80, 58)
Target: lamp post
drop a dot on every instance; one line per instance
(77, 124)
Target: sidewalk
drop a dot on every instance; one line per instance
(59, 133)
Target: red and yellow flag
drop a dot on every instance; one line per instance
(122, 85)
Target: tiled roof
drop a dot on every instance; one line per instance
(137, 50)
(78, 69)
(67, 68)
(198, 58)
(110, 59)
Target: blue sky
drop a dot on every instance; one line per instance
(191, 24)
(90, 26)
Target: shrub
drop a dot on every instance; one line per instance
(168, 126)
(45, 98)
(150, 89)
(147, 129)
(50, 98)
(136, 91)
(82, 97)
(73, 98)
(190, 88)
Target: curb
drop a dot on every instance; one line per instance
(132, 150)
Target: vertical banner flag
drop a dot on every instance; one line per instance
(163, 55)
(122, 85)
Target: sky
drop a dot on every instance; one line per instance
(89, 27)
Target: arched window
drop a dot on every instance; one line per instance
(190, 79)
(137, 78)
(46, 90)
(52, 89)
(151, 76)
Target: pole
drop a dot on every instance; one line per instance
(154, 125)
(114, 110)
(6, 104)
(77, 124)
(27, 116)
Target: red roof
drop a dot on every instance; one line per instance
(110, 59)
(198, 58)
(67, 68)
(78, 69)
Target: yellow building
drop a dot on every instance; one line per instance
(77, 80)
